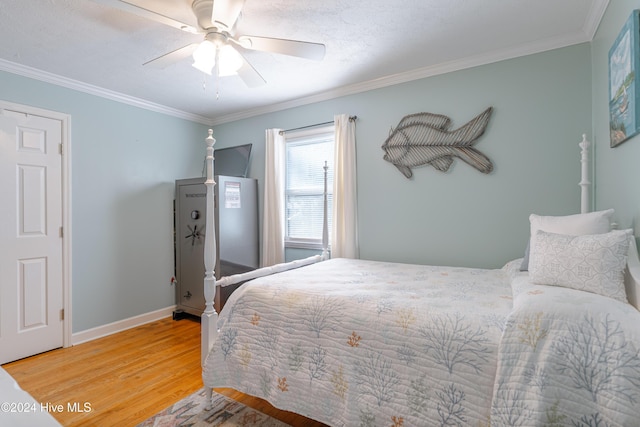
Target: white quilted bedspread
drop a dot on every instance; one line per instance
(354, 342)
(361, 343)
(567, 358)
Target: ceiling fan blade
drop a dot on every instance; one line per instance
(173, 57)
(297, 48)
(225, 13)
(249, 75)
(148, 14)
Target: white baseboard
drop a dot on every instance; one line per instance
(121, 325)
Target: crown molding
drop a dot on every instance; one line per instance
(596, 13)
(43, 76)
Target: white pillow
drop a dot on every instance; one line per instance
(593, 263)
(576, 225)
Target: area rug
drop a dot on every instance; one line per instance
(190, 412)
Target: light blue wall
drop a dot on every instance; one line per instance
(124, 163)
(542, 105)
(617, 170)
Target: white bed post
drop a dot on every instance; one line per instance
(584, 181)
(209, 319)
(325, 225)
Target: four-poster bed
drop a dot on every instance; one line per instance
(355, 342)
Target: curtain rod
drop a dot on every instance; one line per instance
(351, 119)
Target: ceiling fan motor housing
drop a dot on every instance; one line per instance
(202, 9)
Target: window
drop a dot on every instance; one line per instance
(306, 154)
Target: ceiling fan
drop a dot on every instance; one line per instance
(218, 53)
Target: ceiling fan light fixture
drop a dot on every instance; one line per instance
(217, 21)
(204, 57)
(229, 61)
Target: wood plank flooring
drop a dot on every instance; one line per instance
(127, 377)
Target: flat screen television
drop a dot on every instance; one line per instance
(232, 161)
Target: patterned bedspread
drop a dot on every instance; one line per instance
(567, 358)
(361, 343)
(354, 342)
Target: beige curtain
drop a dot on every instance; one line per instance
(273, 215)
(344, 235)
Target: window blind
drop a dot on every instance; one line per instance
(304, 186)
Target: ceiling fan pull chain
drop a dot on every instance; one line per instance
(217, 73)
(217, 85)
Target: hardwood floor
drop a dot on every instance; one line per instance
(127, 377)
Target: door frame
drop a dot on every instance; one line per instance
(65, 120)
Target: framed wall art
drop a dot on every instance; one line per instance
(624, 90)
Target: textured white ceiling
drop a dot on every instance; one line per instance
(370, 43)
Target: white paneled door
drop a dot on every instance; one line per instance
(31, 281)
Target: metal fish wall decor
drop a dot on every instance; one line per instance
(424, 139)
